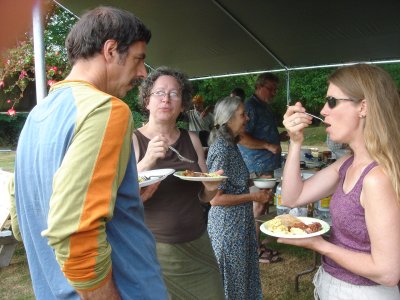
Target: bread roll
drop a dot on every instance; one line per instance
(288, 220)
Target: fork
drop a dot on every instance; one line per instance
(181, 158)
(145, 178)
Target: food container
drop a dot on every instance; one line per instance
(323, 204)
(305, 153)
(326, 155)
(280, 209)
(264, 183)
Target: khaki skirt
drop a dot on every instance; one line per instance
(190, 270)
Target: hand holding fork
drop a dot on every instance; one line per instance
(180, 157)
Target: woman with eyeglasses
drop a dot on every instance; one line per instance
(174, 213)
(361, 260)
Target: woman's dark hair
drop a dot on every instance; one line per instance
(89, 34)
(183, 81)
(239, 92)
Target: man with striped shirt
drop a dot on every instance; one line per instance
(76, 193)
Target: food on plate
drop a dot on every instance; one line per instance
(190, 173)
(290, 225)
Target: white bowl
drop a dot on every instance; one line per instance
(264, 183)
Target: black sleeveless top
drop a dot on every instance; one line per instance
(174, 213)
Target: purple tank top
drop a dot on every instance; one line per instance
(349, 229)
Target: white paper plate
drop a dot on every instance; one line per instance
(180, 175)
(154, 176)
(306, 220)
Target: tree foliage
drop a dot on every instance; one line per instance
(307, 86)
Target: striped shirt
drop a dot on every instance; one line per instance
(76, 190)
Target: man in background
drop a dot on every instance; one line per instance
(76, 188)
(201, 120)
(260, 144)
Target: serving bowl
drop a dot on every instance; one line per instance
(264, 183)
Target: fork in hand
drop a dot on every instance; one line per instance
(182, 158)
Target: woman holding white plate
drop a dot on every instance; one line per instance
(231, 224)
(361, 260)
(174, 213)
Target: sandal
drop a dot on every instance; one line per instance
(270, 252)
(267, 257)
(271, 260)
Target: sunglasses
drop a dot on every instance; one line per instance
(332, 101)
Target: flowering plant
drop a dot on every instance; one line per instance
(17, 72)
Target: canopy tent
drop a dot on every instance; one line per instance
(229, 37)
(219, 37)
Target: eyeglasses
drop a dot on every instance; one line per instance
(332, 101)
(173, 95)
(271, 88)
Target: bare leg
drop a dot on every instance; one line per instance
(258, 210)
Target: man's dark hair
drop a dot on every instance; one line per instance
(89, 34)
(263, 78)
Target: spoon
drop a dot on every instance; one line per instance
(311, 115)
(316, 117)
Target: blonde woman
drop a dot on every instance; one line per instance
(361, 260)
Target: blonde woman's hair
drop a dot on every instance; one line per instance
(382, 127)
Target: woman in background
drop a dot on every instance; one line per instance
(230, 220)
(361, 260)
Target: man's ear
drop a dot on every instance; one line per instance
(110, 50)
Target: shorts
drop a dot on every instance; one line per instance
(328, 287)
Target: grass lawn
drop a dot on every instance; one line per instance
(7, 160)
(314, 136)
(277, 279)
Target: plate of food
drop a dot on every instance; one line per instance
(146, 178)
(199, 176)
(291, 227)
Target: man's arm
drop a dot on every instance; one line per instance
(107, 291)
(84, 194)
(248, 140)
(251, 142)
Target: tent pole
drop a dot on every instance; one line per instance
(288, 87)
(257, 40)
(249, 33)
(38, 46)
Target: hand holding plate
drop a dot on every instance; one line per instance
(147, 192)
(313, 243)
(213, 185)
